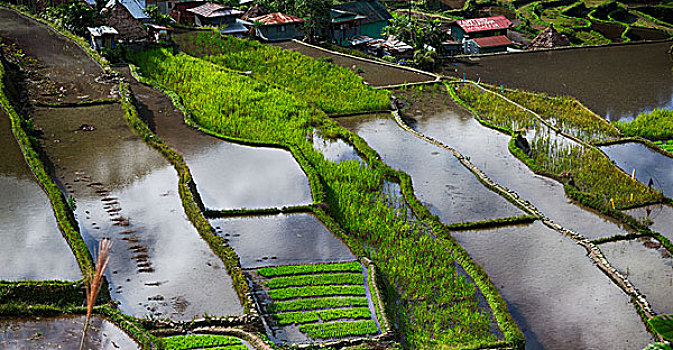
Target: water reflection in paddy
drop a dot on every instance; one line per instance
(29, 227)
(281, 240)
(648, 266)
(488, 150)
(440, 181)
(227, 175)
(62, 333)
(650, 166)
(128, 192)
(557, 296)
(661, 216)
(335, 150)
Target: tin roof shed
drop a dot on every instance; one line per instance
(482, 24)
(491, 41)
(210, 10)
(277, 18)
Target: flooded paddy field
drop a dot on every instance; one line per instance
(126, 191)
(649, 267)
(559, 299)
(29, 228)
(440, 181)
(373, 73)
(281, 239)
(651, 168)
(227, 175)
(661, 216)
(62, 333)
(488, 150)
(70, 74)
(335, 150)
(617, 82)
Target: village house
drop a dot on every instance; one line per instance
(102, 37)
(278, 26)
(178, 11)
(376, 16)
(225, 18)
(126, 17)
(343, 26)
(159, 33)
(467, 31)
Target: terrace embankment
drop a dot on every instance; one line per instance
(66, 72)
(29, 228)
(617, 82)
(447, 188)
(559, 299)
(128, 192)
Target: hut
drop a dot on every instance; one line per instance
(226, 18)
(102, 37)
(489, 44)
(376, 16)
(278, 26)
(549, 38)
(344, 25)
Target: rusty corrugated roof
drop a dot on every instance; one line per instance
(214, 10)
(489, 41)
(485, 23)
(276, 18)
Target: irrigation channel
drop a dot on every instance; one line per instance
(29, 227)
(62, 333)
(617, 82)
(554, 270)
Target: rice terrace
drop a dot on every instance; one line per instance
(328, 174)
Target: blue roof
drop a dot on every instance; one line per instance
(135, 7)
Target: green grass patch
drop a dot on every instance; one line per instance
(324, 315)
(663, 324)
(655, 125)
(290, 270)
(314, 291)
(314, 280)
(339, 329)
(181, 342)
(666, 145)
(332, 88)
(316, 303)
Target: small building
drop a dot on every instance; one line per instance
(159, 33)
(549, 38)
(179, 13)
(450, 48)
(489, 44)
(102, 37)
(126, 17)
(464, 29)
(344, 25)
(377, 17)
(278, 26)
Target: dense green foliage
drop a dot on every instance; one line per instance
(655, 125)
(439, 306)
(183, 342)
(324, 315)
(290, 270)
(339, 329)
(583, 167)
(295, 292)
(666, 145)
(663, 324)
(332, 88)
(315, 280)
(316, 303)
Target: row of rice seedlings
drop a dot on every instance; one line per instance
(182, 342)
(288, 318)
(290, 270)
(339, 329)
(495, 110)
(667, 145)
(312, 291)
(316, 304)
(332, 88)
(314, 280)
(420, 269)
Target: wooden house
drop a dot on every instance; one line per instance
(343, 26)
(126, 17)
(225, 18)
(489, 44)
(376, 17)
(102, 37)
(278, 26)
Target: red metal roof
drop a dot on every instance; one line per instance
(485, 23)
(489, 41)
(214, 10)
(276, 18)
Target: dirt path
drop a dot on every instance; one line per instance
(65, 73)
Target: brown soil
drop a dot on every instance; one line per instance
(72, 74)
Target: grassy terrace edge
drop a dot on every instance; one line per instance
(513, 336)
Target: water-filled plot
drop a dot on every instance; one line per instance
(557, 296)
(62, 333)
(648, 265)
(659, 217)
(440, 181)
(126, 191)
(281, 239)
(651, 168)
(336, 150)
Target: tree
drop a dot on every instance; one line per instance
(317, 13)
(156, 16)
(75, 17)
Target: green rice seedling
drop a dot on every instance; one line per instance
(316, 303)
(181, 342)
(352, 266)
(315, 280)
(310, 291)
(323, 315)
(339, 329)
(655, 125)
